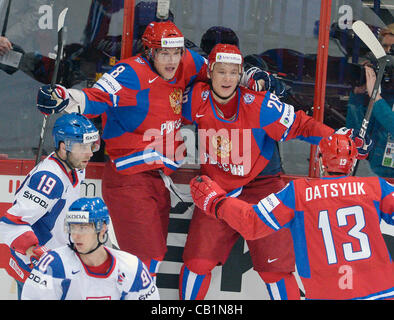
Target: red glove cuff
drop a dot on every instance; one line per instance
(24, 242)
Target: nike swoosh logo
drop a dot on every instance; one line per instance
(199, 115)
(272, 260)
(151, 80)
(74, 272)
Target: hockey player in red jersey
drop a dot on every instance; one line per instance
(140, 101)
(334, 221)
(238, 129)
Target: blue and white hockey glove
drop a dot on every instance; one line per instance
(52, 100)
(271, 83)
(364, 145)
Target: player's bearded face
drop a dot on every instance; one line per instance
(225, 78)
(79, 160)
(166, 61)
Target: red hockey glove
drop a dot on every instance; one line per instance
(206, 194)
(37, 252)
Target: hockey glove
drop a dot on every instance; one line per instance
(363, 145)
(52, 100)
(271, 83)
(206, 194)
(37, 252)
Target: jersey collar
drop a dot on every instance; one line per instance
(215, 112)
(100, 275)
(72, 175)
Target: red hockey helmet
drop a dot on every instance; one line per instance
(226, 53)
(162, 35)
(338, 153)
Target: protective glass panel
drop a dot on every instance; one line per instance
(280, 36)
(92, 44)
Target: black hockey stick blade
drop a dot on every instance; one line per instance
(60, 29)
(7, 14)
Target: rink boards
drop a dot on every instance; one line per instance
(235, 280)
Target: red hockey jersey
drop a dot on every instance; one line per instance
(335, 224)
(234, 152)
(141, 113)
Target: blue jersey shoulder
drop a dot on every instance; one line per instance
(51, 264)
(126, 75)
(142, 278)
(199, 60)
(386, 187)
(47, 183)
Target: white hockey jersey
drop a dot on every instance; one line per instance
(40, 205)
(61, 275)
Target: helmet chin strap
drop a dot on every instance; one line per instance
(68, 162)
(69, 165)
(99, 243)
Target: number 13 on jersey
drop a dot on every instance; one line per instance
(342, 220)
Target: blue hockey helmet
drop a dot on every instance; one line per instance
(75, 128)
(85, 211)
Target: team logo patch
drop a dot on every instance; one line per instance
(249, 98)
(176, 100)
(121, 277)
(222, 146)
(287, 118)
(204, 95)
(77, 217)
(108, 83)
(139, 60)
(172, 42)
(270, 202)
(228, 58)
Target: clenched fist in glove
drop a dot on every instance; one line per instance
(35, 253)
(363, 145)
(259, 80)
(207, 194)
(52, 100)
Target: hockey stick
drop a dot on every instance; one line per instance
(60, 28)
(7, 14)
(369, 39)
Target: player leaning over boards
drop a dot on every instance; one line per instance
(86, 269)
(238, 129)
(334, 221)
(140, 101)
(35, 220)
